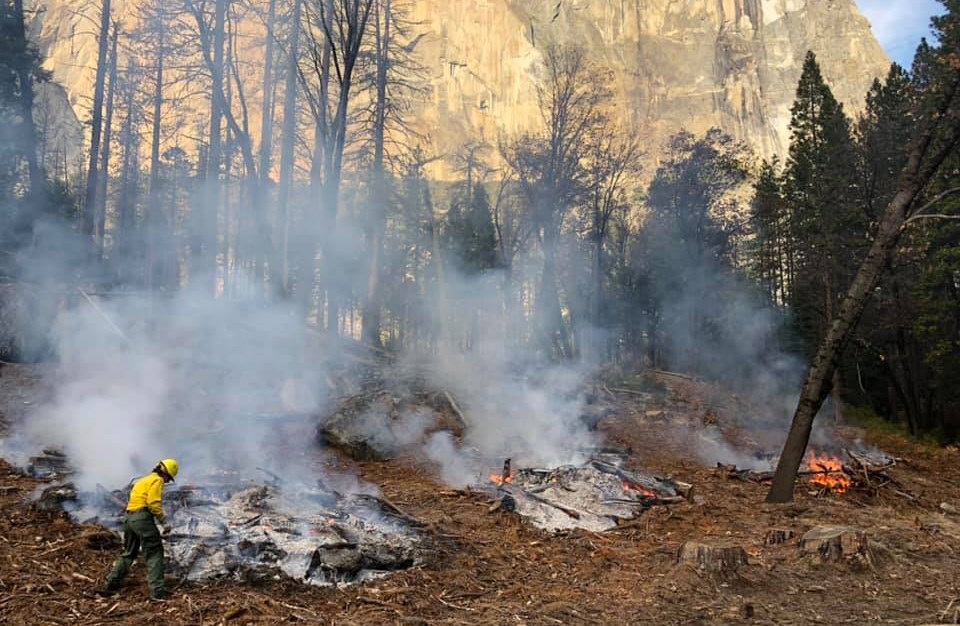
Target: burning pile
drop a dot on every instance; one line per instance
(252, 532)
(829, 474)
(826, 472)
(596, 496)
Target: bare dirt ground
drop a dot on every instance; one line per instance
(494, 568)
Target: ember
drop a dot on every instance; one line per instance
(504, 478)
(827, 473)
(499, 479)
(644, 493)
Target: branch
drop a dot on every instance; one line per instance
(938, 216)
(940, 196)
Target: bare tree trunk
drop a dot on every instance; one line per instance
(836, 384)
(90, 198)
(214, 153)
(153, 203)
(262, 236)
(107, 138)
(553, 332)
(281, 268)
(371, 306)
(352, 27)
(124, 209)
(933, 144)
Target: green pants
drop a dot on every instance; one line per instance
(140, 532)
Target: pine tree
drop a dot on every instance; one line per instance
(20, 69)
(826, 226)
(934, 141)
(894, 355)
(768, 219)
(691, 242)
(471, 237)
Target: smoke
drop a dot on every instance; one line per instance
(234, 386)
(222, 386)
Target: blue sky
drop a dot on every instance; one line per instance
(899, 24)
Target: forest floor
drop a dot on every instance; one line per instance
(494, 568)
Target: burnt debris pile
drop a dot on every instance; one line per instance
(255, 532)
(598, 495)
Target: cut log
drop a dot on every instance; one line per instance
(51, 464)
(684, 489)
(721, 560)
(835, 543)
(54, 498)
(777, 536)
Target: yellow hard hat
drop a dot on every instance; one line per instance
(172, 467)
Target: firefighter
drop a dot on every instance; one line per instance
(140, 531)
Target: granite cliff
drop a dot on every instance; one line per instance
(691, 64)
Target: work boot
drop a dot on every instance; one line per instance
(105, 591)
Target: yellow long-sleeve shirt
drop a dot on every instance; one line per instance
(147, 493)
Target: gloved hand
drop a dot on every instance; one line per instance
(166, 530)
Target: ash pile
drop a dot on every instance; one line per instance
(256, 532)
(599, 495)
(311, 535)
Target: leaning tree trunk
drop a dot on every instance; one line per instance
(929, 151)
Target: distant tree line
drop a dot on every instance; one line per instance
(547, 240)
(815, 217)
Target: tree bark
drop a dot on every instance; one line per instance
(935, 141)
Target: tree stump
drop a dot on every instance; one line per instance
(721, 560)
(777, 536)
(835, 543)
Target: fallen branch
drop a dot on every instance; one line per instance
(526, 494)
(396, 511)
(456, 409)
(106, 317)
(629, 391)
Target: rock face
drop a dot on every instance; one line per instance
(691, 64)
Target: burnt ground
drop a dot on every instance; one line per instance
(493, 568)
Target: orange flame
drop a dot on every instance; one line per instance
(497, 479)
(646, 493)
(831, 474)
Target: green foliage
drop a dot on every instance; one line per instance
(769, 226)
(470, 234)
(19, 64)
(826, 226)
(691, 237)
